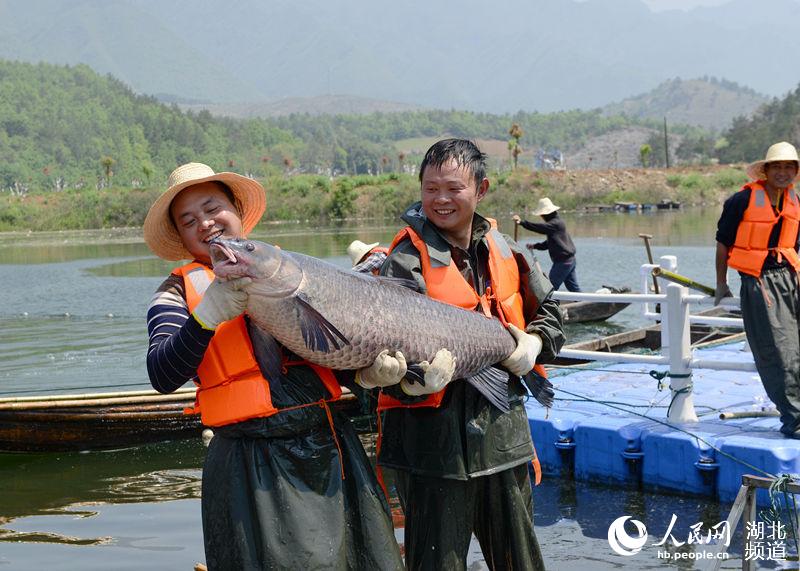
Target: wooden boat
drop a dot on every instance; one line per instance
(666, 204)
(650, 338)
(585, 311)
(97, 421)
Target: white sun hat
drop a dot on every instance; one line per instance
(358, 249)
(159, 231)
(546, 206)
(782, 151)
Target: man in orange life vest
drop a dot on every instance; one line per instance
(286, 482)
(460, 464)
(757, 235)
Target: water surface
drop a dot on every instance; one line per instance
(73, 319)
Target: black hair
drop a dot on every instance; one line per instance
(223, 188)
(465, 153)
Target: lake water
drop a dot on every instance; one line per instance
(72, 319)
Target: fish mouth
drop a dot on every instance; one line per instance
(220, 253)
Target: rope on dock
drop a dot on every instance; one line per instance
(696, 436)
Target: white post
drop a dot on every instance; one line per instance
(680, 355)
(669, 263)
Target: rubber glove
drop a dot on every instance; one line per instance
(385, 371)
(437, 375)
(722, 291)
(522, 360)
(222, 301)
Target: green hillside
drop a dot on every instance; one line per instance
(65, 127)
(749, 137)
(708, 102)
(68, 127)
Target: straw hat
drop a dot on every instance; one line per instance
(159, 230)
(782, 151)
(546, 206)
(358, 249)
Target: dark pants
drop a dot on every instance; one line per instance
(273, 497)
(772, 332)
(564, 273)
(441, 515)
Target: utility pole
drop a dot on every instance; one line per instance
(666, 143)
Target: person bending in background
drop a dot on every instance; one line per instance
(558, 244)
(286, 481)
(757, 235)
(461, 464)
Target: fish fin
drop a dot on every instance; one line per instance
(267, 351)
(415, 374)
(319, 334)
(540, 387)
(493, 384)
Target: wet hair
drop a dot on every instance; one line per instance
(465, 153)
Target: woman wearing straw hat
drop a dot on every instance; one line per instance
(286, 482)
(558, 244)
(757, 235)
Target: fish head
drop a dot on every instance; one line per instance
(273, 273)
(240, 258)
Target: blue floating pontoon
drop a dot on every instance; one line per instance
(609, 424)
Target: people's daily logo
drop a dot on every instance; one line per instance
(621, 542)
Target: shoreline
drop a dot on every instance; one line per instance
(306, 199)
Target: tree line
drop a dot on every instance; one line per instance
(67, 128)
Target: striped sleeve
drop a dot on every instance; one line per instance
(177, 341)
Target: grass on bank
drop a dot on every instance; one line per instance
(319, 198)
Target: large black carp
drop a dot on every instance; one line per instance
(342, 319)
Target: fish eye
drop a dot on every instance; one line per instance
(249, 246)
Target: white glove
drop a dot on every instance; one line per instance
(222, 301)
(522, 360)
(384, 371)
(437, 375)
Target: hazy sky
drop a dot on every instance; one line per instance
(658, 5)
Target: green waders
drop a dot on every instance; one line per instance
(441, 514)
(770, 313)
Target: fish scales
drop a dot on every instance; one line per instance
(374, 315)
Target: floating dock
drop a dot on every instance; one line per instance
(609, 424)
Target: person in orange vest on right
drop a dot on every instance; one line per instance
(757, 235)
(460, 464)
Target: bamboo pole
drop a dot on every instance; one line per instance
(48, 398)
(748, 414)
(86, 402)
(682, 280)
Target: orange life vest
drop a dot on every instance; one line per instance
(446, 284)
(751, 246)
(232, 387)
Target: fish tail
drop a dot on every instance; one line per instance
(493, 384)
(540, 387)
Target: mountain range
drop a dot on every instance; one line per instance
(533, 55)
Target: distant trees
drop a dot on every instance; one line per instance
(749, 137)
(644, 155)
(513, 144)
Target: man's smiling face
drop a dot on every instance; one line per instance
(450, 196)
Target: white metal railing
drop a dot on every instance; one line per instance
(675, 318)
